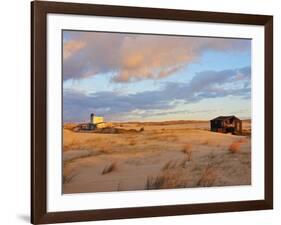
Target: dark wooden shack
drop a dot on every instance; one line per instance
(226, 124)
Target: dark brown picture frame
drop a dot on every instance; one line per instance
(39, 11)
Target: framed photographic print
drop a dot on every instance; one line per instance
(143, 112)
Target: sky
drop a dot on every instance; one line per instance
(143, 77)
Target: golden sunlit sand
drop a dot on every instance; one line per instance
(173, 154)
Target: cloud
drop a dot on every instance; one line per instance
(134, 57)
(204, 85)
(140, 114)
(71, 47)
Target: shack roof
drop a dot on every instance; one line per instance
(221, 118)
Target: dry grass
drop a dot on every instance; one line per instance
(172, 176)
(205, 142)
(79, 157)
(182, 163)
(162, 163)
(167, 180)
(170, 137)
(162, 136)
(169, 165)
(72, 144)
(68, 179)
(82, 141)
(109, 168)
(132, 142)
(172, 164)
(69, 126)
(208, 177)
(187, 149)
(235, 147)
(105, 150)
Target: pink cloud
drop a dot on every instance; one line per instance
(132, 57)
(71, 47)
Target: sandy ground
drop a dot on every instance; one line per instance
(167, 155)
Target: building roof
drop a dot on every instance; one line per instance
(225, 118)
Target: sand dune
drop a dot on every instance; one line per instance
(165, 155)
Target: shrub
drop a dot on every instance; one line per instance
(234, 147)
